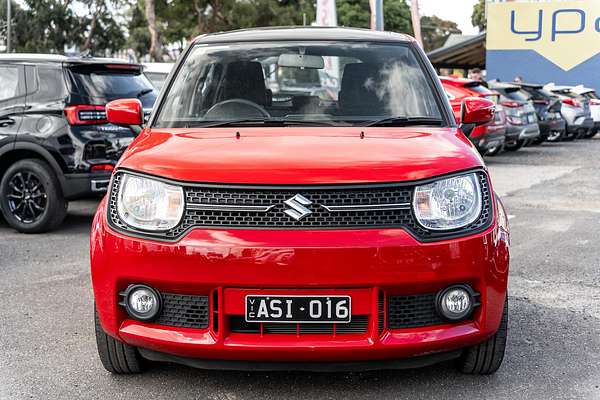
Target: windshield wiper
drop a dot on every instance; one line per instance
(405, 121)
(259, 121)
(143, 92)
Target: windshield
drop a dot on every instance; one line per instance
(517, 94)
(109, 82)
(331, 83)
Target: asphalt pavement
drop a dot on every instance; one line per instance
(552, 193)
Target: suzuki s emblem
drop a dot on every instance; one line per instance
(297, 208)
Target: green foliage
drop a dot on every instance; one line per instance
(53, 25)
(435, 31)
(48, 26)
(478, 15)
(357, 14)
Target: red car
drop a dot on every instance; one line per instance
(488, 138)
(249, 228)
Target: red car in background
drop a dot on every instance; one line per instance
(488, 138)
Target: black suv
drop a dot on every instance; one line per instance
(547, 107)
(55, 142)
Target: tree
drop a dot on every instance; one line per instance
(478, 15)
(103, 34)
(156, 51)
(435, 31)
(51, 26)
(357, 14)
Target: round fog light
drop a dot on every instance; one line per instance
(143, 302)
(455, 302)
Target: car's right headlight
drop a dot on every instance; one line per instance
(449, 203)
(149, 204)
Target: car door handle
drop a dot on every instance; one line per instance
(4, 122)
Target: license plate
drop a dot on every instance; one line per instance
(299, 309)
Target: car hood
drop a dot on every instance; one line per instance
(300, 155)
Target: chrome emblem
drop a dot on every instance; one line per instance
(297, 208)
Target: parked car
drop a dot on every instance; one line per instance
(594, 103)
(56, 144)
(157, 73)
(547, 106)
(575, 110)
(488, 138)
(357, 232)
(522, 122)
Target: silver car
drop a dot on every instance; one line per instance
(575, 110)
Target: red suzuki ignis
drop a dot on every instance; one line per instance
(301, 198)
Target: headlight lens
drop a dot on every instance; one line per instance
(448, 203)
(149, 204)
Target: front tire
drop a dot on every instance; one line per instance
(494, 151)
(486, 357)
(514, 146)
(116, 357)
(31, 199)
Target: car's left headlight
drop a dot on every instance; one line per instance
(449, 203)
(149, 204)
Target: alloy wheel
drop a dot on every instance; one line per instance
(553, 136)
(27, 198)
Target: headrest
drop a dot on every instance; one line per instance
(244, 80)
(358, 94)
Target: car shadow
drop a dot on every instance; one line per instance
(78, 220)
(529, 365)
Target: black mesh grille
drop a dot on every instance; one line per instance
(320, 218)
(359, 324)
(184, 311)
(412, 311)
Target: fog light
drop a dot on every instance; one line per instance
(142, 302)
(455, 302)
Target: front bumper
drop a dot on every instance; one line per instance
(220, 263)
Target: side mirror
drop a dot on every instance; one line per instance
(475, 111)
(126, 112)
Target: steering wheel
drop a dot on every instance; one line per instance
(236, 108)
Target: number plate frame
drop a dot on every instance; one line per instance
(304, 299)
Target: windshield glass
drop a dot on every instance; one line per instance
(517, 94)
(109, 82)
(334, 83)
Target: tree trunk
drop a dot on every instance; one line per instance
(88, 41)
(156, 51)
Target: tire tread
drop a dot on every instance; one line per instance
(116, 357)
(486, 357)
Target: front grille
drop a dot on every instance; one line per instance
(183, 311)
(412, 311)
(329, 209)
(359, 324)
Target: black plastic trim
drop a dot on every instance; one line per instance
(234, 365)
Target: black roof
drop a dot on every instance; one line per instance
(299, 33)
(497, 85)
(56, 58)
(529, 85)
(468, 53)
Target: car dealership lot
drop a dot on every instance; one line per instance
(47, 346)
